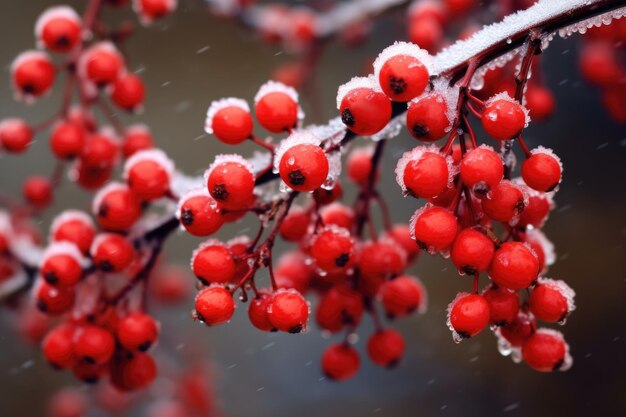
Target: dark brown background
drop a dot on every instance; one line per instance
(266, 374)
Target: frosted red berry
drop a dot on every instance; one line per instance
(213, 262)
(231, 184)
(288, 311)
(200, 214)
(67, 140)
(481, 167)
(154, 9)
(514, 266)
(15, 135)
(74, 227)
(257, 312)
(504, 202)
(61, 269)
(468, 315)
(54, 301)
(304, 167)
(276, 107)
(472, 251)
(57, 346)
(364, 110)
(59, 29)
(33, 74)
(386, 347)
(427, 174)
(403, 77)
(551, 301)
(148, 174)
(137, 332)
(542, 171)
(434, 228)
(102, 64)
(128, 92)
(427, 118)
(340, 306)
(503, 305)
(230, 123)
(546, 351)
(214, 305)
(112, 252)
(503, 118)
(340, 362)
(136, 138)
(116, 208)
(519, 330)
(333, 249)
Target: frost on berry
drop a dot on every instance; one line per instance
(103, 192)
(403, 48)
(301, 137)
(146, 17)
(549, 253)
(549, 152)
(90, 88)
(154, 155)
(217, 105)
(493, 115)
(67, 216)
(393, 129)
(19, 60)
(64, 248)
(368, 82)
(207, 243)
(565, 290)
(55, 12)
(278, 87)
(332, 132)
(223, 158)
(415, 155)
(567, 359)
(456, 336)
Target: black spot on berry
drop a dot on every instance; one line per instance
(90, 379)
(296, 329)
(558, 365)
(347, 118)
(29, 89)
(392, 364)
(105, 266)
(145, 346)
(41, 305)
(422, 245)
(296, 177)
(89, 360)
(220, 192)
(397, 85)
(346, 317)
(63, 41)
(469, 270)
(103, 210)
(501, 323)
(519, 206)
(463, 335)
(186, 217)
(420, 131)
(50, 277)
(342, 260)
(551, 188)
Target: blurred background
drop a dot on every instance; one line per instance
(192, 58)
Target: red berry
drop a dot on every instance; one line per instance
(599, 63)
(426, 32)
(304, 167)
(472, 251)
(333, 249)
(519, 330)
(54, 301)
(94, 345)
(400, 71)
(459, 7)
(128, 92)
(380, 260)
(364, 109)
(427, 118)
(170, 285)
(148, 174)
(15, 135)
(503, 118)
(434, 228)
(340, 362)
(151, 10)
(482, 166)
(276, 107)
(214, 305)
(288, 311)
(546, 351)
(401, 234)
(100, 151)
(503, 305)
(402, 296)
(540, 102)
(116, 207)
(293, 271)
(37, 191)
(199, 213)
(59, 29)
(67, 140)
(136, 138)
(230, 181)
(385, 347)
(134, 372)
(102, 64)
(337, 214)
(33, 74)
(137, 332)
(89, 373)
(69, 402)
(514, 266)
(57, 346)
(359, 165)
(91, 178)
(75, 227)
(112, 252)
(295, 225)
(340, 306)
(229, 120)
(537, 209)
(504, 202)
(551, 301)
(213, 262)
(423, 172)
(542, 171)
(257, 312)
(61, 265)
(468, 315)
(323, 196)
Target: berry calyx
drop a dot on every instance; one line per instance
(288, 311)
